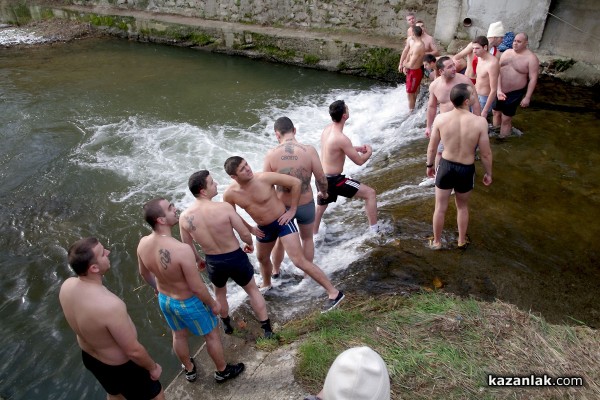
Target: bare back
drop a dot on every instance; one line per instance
(333, 156)
(258, 197)
(92, 311)
(461, 132)
(165, 256)
(298, 160)
(211, 225)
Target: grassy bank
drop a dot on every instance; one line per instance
(438, 346)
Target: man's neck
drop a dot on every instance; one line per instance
(163, 230)
(95, 279)
(203, 199)
(288, 138)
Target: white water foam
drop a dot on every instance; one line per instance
(157, 157)
(14, 36)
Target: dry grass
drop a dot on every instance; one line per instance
(437, 346)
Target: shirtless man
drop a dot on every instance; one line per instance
(461, 133)
(487, 75)
(256, 194)
(302, 161)
(519, 69)
(413, 66)
(430, 68)
(211, 225)
(411, 20)
(428, 40)
(105, 332)
(467, 61)
(170, 268)
(335, 146)
(439, 93)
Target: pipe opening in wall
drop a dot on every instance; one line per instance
(467, 22)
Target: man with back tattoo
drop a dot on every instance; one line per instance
(169, 267)
(293, 158)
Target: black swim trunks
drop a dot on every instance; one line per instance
(509, 106)
(129, 379)
(234, 265)
(339, 185)
(452, 175)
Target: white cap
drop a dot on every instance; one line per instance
(496, 29)
(358, 373)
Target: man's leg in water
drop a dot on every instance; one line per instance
(263, 254)
(291, 243)
(221, 294)
(306, 237)
(505, 126)
(441, 205)
(369, 196)
(277, 257)
(462, 215)
(257, 301)
(320, 210)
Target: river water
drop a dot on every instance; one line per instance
(93, 129)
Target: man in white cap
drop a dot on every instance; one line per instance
(358, 373)
(495, 34)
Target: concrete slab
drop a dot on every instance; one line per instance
(268, 375)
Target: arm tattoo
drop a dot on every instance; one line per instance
(190, 221)
(321, 184)
(165, 258)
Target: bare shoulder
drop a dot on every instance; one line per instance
(463, 79)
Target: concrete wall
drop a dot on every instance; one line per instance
(374, 17)
(577, 33)
(517, 16)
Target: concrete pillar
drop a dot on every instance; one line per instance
(448, 16)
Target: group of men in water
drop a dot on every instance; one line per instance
(492, 80)
(275, 199)
(278, 198)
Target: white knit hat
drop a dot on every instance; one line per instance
(358, 373)
(496, 29)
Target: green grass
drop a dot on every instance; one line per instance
(438, 346)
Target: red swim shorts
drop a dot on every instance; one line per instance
(413, 80)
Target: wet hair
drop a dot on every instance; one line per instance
(459, 94)
(410, 14)
(197, 182)
(283, 125)
(482, 41)
(81, 255)
(417, 31)
(440, 62)
(231, 164)
(336, 110)
(153, 211)
(428, 58)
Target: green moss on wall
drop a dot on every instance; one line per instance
(311, 59)
(381, 63)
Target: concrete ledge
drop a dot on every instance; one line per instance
(268, 375)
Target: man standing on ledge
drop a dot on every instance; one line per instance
(256, 194)
(302, 161)
(461, 133)
(519, 69)
(335, 146)
(413, 67)
(169, 267)
(105, 332)
(211, 225)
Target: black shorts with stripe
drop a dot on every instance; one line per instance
(339, 185)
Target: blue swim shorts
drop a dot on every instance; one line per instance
(274, 230)
(189, 313)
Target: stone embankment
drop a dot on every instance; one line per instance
(333, 50)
